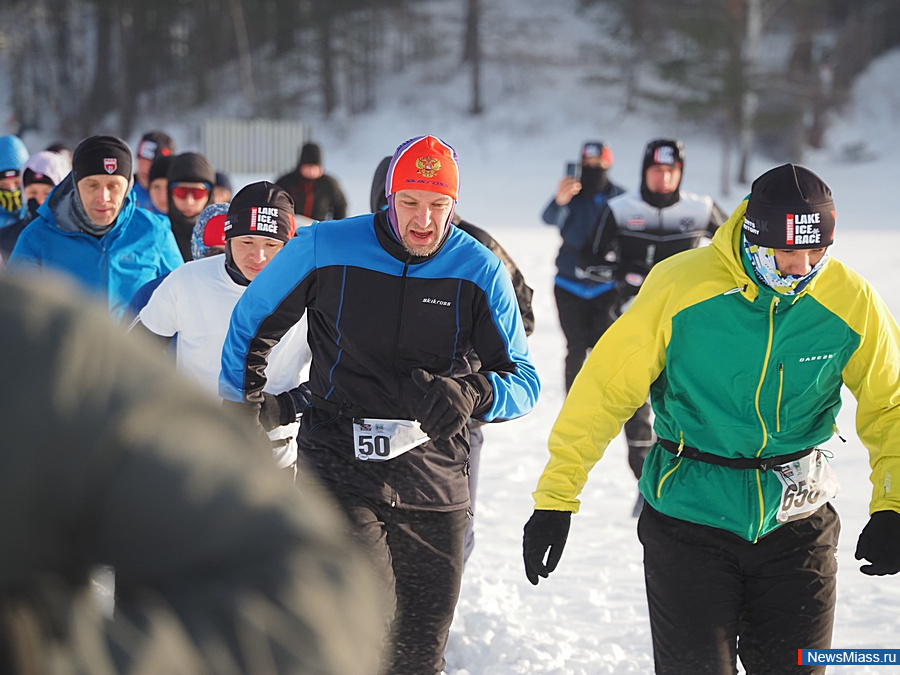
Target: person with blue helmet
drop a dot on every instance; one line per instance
(13, 155)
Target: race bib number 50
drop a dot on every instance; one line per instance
(806, 484)
(379, 440)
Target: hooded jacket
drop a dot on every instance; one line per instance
(735, 370)
(376, 313)
(138, 247)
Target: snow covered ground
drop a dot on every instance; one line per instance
(590, 616)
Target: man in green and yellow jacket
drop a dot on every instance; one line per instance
(744, 347)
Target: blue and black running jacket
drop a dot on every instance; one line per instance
(376, 313)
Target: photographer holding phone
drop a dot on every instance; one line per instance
(584, 304)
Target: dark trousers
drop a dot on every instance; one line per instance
(583, 321)
(418, 555)
(714, 596)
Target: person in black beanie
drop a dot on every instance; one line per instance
(152, 146)
(191, 178)
(583, 303)
(316, 195)
(91, 228)
(746, 345)
(158, 183)
(195, 302)
(635, 231)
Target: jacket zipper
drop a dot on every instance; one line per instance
(773, 309)
(397, 349)
(780, 392)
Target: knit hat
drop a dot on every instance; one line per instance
(45, 167)
(209, 231)
(311, 153)
(155, 144)
(790, 207)
(13, 154)
(597, 149)
(424, 163)
(160, 168)
(663, 151)
(263, 210)
(191, 167)
(101, 155)
(223, 181)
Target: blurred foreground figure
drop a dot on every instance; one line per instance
(110, 458)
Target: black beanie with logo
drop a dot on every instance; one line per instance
(103, 155)
(790, 207)
(261, 210)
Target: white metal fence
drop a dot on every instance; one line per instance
(254, 146)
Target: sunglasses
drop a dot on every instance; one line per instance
(183, 192)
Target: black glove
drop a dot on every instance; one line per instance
(879, 543)
(277, 410)
(545, 530)
(447, 405)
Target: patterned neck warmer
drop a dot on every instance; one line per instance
(11, 200)
(762, 260)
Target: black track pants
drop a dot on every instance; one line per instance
(418, 555)
(714, 596)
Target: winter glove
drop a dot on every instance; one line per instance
(447, 405)
(284, 444)
(277, 410)
(545, 530)
(879, 543)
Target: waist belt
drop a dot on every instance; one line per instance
(760, 463)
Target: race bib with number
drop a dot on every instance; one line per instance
(806, 484)
(379, 440)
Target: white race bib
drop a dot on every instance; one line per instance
(379, 440)
(806, 484)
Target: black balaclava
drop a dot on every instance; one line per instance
(594, 179)
(188, 167)
(662, 151)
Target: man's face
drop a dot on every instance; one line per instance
(663, 179)
(11, 183)
(797, 261)
(311, 171)
(190, 198)
(421, 216)
(37, 192)
(159, 194)
(102, 197)
(143, 170)
(251, 254)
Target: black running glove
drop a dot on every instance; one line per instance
(879, 543)
(545, 531)
(277, 410)
(448, 403)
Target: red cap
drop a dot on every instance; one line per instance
(424, 163)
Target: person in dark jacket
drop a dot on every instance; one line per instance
(110, 458)
(396, 300)
(191, 179)
(378, 201)
(635, 231)
(316, 195)
(91, 229)
(584, 304)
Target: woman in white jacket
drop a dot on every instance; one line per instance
(195, 302)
